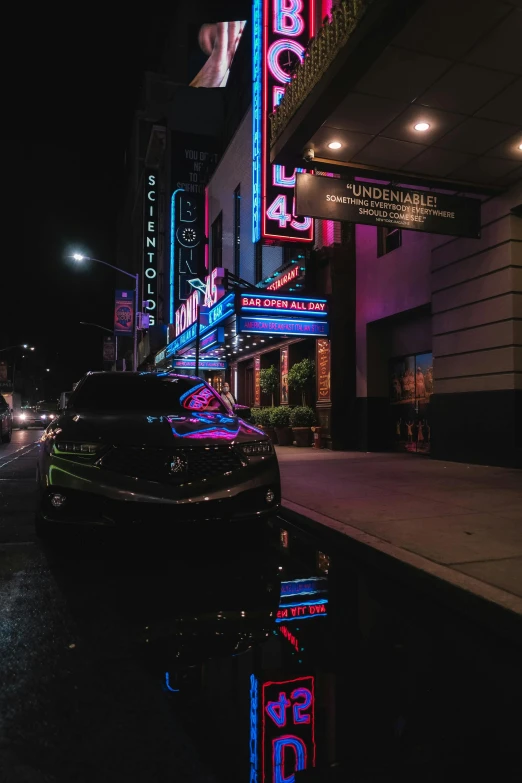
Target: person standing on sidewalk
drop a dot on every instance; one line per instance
(227, 395)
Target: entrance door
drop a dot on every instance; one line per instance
(411, 387)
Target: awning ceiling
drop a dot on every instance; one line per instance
(456, 65)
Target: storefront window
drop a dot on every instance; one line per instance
(411, 387)
(388, 239)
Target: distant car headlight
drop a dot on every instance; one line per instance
(257, 449)
(22, 416)
(51, 416)
(64, 448)
(43, 416)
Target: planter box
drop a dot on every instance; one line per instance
(302, 436)
(284, 436)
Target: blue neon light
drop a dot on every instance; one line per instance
(300, 618)
(172, 250)
(257, 158)
(311, 586)
(184, 338)
(167, 684)
(253, 728)
(219, 312)
(286, 326)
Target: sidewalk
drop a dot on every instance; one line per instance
(460, 523)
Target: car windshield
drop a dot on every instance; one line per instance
(146, 393)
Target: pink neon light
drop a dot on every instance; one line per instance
(273, 58)
(310, 681)
(278, 760)
(278, 93)
(327, 9)
(284, 279)
(289, 10)
(308, 224)
(280, 179)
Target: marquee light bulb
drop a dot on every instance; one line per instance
(421, 126)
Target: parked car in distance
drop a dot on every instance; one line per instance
(27, 417)
(153, 449)
(6, 421)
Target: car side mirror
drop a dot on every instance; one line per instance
(243, 411)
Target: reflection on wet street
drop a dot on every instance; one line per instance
(269, 656)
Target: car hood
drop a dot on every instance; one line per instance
(160, 430)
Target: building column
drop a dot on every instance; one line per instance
(476, 408)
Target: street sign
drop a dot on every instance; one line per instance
(109, 349)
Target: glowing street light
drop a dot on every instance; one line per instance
(79, 257)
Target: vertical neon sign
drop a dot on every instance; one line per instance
(150, 245)
(288, 735)
(281, 30)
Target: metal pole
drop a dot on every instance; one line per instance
(135, 358)
(198, 322)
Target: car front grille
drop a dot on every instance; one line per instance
(172, 467)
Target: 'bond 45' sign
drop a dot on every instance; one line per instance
(288, 741)
(282, 29)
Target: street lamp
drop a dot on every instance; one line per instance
(136, 277)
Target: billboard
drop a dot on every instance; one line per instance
(124, 312)
(281, 31)
(388, 206)
(212, 48)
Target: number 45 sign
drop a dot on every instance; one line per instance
(288, 741)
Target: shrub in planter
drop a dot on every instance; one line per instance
(280, 421)
(302, 419)
(269, 381)
(254, 416)
(300, 376)
(264, 421)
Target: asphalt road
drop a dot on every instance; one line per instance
(79, 699)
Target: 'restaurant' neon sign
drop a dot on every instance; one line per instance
(281, 30)
(283, 280)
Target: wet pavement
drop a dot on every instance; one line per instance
(277, 657)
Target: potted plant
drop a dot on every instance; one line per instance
(269, 381)
(300, 376)
(302, 419)
(280, 420)
(264, 422)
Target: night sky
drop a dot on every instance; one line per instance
(68, 129)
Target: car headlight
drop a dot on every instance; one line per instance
(63, 448)
(51, 416)
(22, 416)
(258, 448)
(43, 416)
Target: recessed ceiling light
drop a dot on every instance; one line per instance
(520, 146)
(421, 126)
(335, 145)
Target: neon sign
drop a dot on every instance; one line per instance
(187, 313)
(293, 640)
(288, 734)
(303, 610)
(311, 586)
(281, 30)
(284, 326)
(253, 728)
(204, 364)
(186, 242)
(150, 249)
(292, 274)
(213, 338)
(290, 304)
(220, 311)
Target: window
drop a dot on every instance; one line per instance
(388, 239)
(172, 395)
(237, 231)
(217, 241)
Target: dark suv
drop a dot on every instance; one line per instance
(153, 448)
(6, 421)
